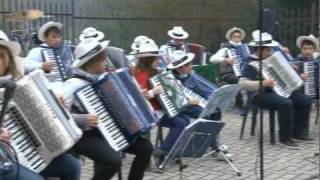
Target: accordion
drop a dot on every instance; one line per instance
(172, 99)
(276, 67)
(62, 59)
(238, 53)
(311, 85)
(118, 102)
(41, 128)
(197, 87)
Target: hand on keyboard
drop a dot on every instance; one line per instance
(47, 66)
(194, 101)
(92, 120)
(5, 135)
(268, 83)
(304, 77)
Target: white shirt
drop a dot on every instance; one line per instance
(34, 59)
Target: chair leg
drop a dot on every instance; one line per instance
(159, 138)
(272, 126)
(244, 120)
(254, 120)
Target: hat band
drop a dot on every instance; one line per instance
(92, 36)
(180, 61)
(151, 52)
(264, 42)
(93, 51)
(178, 35)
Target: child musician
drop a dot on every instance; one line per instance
(64, 166)
(181, 67)
(89, 67)
(293, 112)
(51, 36)
(235, 36)
(148, 62)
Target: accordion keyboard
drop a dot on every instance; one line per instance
(106, 125)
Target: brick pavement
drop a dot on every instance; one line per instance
(280, 163)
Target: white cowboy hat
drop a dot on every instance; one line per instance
(91, 32)
(86, 50)
(180, 58)
(140, 40)
(235, 29)
(178, 33)
(148, 50)
(45, 27)
(14, 47)
(310, 38)
(266, 40)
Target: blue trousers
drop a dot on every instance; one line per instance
(176, 126)
(65, 166)
(293, 112)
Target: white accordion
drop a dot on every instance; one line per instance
(277, 68)
(41, 128)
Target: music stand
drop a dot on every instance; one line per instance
(220, 98)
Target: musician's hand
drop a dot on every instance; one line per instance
(194, 101)
(92, 120)
(304, 77)
(286, 50)
(268, 83)
(295, 67)
(5, 135)
(229, 61)
(47, 66)
(157, 90)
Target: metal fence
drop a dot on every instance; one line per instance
(207, 31)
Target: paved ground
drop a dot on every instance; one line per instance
(280, 163)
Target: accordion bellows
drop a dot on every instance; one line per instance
(41, 128)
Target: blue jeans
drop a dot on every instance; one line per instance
(293, 112)
(176, 126)
(65, 166)
(24, 174)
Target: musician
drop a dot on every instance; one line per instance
(148, 61)
(181, 67)
(89, 67)
(178, 35)
(116, 57)
(51, 35)
(293, 112)
(64, 166)
(309, 46)
(235, 36)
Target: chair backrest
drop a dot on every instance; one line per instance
(200, 53)
(210, 72)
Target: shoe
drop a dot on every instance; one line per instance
(290, 144)
(223, 148)
(303, 138)
(158, 156)
(219, 156)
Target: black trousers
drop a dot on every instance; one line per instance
(293, 112)
(107, 161)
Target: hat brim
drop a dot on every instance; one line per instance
(307, 38)
(45, 27)
(189, 59)
(185, 35)
(257, 44)
(99, 37)
(78, 63)
(14, 47)
(230, 31)
(141, 55)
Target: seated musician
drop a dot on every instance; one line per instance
(50, 35)
(308, 46)
(148, 62)
(235, 36)
(89, 67)
(135, 47)
(64, 166)
(181, 67)
(178, 35)
(293, 112)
